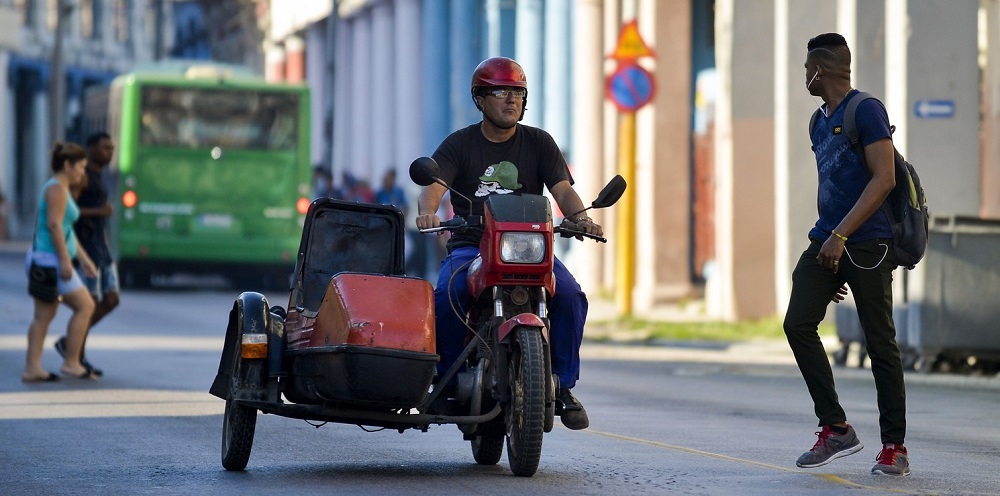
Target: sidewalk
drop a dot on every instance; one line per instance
(15, 247)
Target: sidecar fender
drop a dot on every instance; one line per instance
(249, 314)
(524, 319)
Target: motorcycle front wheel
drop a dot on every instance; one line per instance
(525, 415)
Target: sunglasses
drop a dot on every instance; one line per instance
(503, 93)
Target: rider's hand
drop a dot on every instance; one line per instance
(585, 224)
(427, 221)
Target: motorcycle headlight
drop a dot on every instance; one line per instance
(522, 247)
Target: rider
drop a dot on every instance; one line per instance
(500, 156)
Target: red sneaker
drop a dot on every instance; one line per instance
(892, 460)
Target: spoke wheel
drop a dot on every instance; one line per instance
(525, 415)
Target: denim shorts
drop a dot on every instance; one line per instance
(46, 259)
(105, 282)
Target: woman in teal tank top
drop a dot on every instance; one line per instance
(55, 246)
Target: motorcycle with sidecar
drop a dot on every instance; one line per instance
(356, 344)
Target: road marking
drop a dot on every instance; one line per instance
(120, 342)
(719, 456)
(95, 403)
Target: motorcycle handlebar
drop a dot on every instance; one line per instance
(573, 233)
(457, 223)
(448, 225)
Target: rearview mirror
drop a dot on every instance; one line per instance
(424, 171)
(610, 194)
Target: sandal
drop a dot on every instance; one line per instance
(48, 378)
(86, 374)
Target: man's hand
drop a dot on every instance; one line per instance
(427, 221)
(840, 294)
(585, 224)
(830, 254)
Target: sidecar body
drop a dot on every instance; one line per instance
(356, 344)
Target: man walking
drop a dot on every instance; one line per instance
(850, 244)
(92, 231)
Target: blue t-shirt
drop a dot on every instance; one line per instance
(842, 173)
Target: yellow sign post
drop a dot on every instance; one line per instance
(630, 87)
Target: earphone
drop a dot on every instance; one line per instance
(868, 268)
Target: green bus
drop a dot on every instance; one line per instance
(213, 173)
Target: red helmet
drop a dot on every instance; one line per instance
(499, 71)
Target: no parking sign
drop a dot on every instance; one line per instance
(630, 87)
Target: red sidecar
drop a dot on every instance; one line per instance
(356, 344)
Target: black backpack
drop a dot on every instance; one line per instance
(906, 205)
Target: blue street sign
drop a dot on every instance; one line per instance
(934, 109)
(630, 87)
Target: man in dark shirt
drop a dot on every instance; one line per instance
(850, 244)
(92, 232)
(499, 156)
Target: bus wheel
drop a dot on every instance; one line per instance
(137, 278)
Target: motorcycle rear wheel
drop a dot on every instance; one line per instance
(525, 415)
(487, 447)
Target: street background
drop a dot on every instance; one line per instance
(695, 418)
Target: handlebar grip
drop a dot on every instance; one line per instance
(448, 225)
(573, 233)
(453, 222)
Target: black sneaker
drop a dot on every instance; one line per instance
(892, 460)
(570, 411)
(61, 349)
(829, 447)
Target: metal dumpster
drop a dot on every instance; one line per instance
(953, 314)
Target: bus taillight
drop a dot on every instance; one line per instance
(129, 199)
(302, 205)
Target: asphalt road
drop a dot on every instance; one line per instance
(727, 419)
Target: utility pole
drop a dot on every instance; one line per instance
(158, 42)
(57, 80)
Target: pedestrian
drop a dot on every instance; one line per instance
(500, 156)
(53, 251)
(322, 183)
(391, 194)
(850, 244)
(92, 232)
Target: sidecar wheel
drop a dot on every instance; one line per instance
(238, 426)
(487, 447)
(525, 415)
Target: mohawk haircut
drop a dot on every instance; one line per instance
(830, 48)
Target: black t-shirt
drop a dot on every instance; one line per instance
(477, 168)
(90, 230)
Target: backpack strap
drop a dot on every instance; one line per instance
(851, 132)
(851, 123)
(812, 126)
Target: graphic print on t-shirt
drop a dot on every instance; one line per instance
(499, 178)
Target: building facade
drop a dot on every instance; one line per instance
(99, 40)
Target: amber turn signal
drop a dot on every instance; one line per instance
(254, 345)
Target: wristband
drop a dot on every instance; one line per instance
(841, 236)
(584, 219)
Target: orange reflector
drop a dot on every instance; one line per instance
(254, 345)
(302, 205)
(129, 199)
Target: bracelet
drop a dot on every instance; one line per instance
(585, 218)
(841, 236)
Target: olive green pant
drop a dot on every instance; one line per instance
(868, 274)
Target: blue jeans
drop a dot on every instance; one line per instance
(567, 314)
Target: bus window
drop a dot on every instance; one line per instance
(204, 118)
